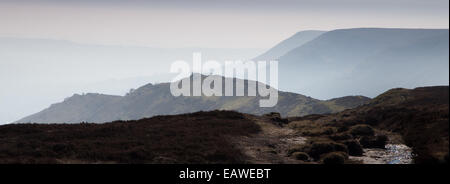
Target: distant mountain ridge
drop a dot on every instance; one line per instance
(366, 61)
(289, 44)
(151, 100)
(358, 61)
(34, 62)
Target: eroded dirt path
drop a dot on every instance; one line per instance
(271, 144)
(393, 154)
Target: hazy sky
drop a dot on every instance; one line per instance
(35, 73)
(207, 23)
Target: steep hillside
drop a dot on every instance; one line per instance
(366, 61)
(419, 115)
(77, 108)
(340, 104)
(289, 44)
(151, 100)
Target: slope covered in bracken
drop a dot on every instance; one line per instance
(419, 115)
(202, 137)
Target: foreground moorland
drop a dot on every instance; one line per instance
(417, 119)
(190, 138)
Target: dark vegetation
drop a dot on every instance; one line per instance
(334, 158)
(420, 116)
(329, 142)
(201, 137)
(362, 130)
(319, 149)
(301, 156)
(276, 117)
(417, 118)
(354, 147)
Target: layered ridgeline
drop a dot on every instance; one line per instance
(366, 61)
(287, 45)
(156, 99)
(109, 69)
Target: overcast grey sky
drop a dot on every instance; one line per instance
(35, 73)
(207, 23)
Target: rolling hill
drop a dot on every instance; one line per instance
(150, 100)
(34, 63)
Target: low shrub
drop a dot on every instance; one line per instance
(362, 130)
(328, 131)
(301, 156)
(378, 141)
(340, 136)
(276, 117)
(319, 131)
(342, 129)
(354, 147)
(333, 158)
(318, 148)
(297, 148)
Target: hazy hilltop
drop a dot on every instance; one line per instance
(322, 65)
(366, 61)
(287, 45)
(156, 99)
(42, 71)
(77, 108)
